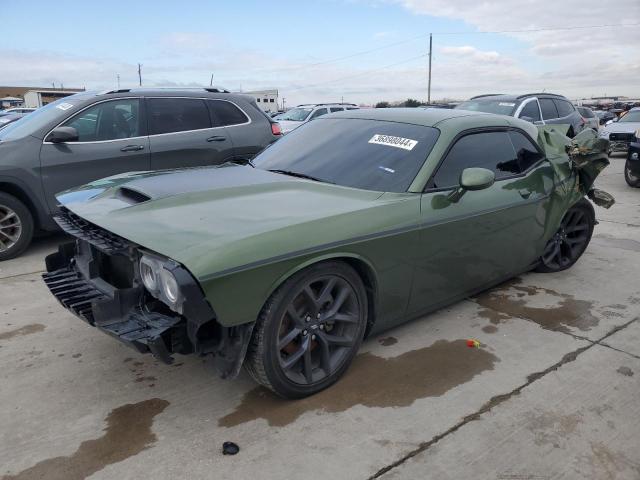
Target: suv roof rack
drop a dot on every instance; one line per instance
(540, 93)
(487, 95)
(125, 90)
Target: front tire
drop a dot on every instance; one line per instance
(631, 179)
(571, 239)
(16, 227)
(309, 330)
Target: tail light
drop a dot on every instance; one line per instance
(276, 129)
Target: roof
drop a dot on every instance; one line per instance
(11, 99)
(426, 117)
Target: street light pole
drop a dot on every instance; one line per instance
(140, 73)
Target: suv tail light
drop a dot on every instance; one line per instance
(276, 129)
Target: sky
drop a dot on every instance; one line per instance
(360, 51)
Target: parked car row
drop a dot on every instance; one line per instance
(295, 117)
(90, 135)
(11, 115)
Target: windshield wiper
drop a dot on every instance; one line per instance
(299, 175)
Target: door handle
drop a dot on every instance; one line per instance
(524, 193)
(132, 148)
(216, 138)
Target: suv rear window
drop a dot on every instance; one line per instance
(226, 113)
(489, 105)
(168, 115)
(548, 109)
(531, 110)
(564, 108)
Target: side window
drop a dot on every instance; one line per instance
(108, 121)
(491, 150)
(564, 108)
(168, 115)
(318, 113)
(226, 113)
(526, 153)
(531, 110)
(548, 108)
(336, 109)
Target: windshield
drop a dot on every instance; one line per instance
(29, 124)
(295, 114)
(501, 107)
(366, 154)
(631, 117)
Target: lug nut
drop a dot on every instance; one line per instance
(313, 337)
(304, 332)
(318, 316)
(321, 327)
(308, 319)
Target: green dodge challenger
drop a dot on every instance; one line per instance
(347, 226)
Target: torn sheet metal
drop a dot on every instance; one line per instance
(588, 157)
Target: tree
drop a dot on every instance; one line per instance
(412, 103)
(382, 105)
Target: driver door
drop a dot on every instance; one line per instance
(488, 235)
(112, 139)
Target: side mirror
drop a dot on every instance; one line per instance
(476, 178)
(63, 134)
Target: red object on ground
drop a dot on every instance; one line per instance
(471, 343)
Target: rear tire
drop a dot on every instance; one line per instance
(631, 179)
(309, 330)
(16, 227)
(571, 239)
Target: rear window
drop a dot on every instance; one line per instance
(586, 112)
(564, 108)
(548, 108)
(169, 115)
(226, 113)
(489, 105)
(366, 154)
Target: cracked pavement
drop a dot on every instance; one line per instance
(553, 391)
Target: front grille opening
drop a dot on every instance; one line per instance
(116, 270)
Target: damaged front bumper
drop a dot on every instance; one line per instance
(97, 278)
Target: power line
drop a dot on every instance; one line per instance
(359, 74)
(418, 37)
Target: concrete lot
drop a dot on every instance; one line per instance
(553, 392)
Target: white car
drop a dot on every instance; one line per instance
(292, 119)
(621, 131)
(24, 110)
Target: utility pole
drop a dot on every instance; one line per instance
(430, 53)
(283, 100)
(118, 78)
(211, 82)
(140, 73)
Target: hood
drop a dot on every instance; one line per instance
(214, 219)
(288, 125)
(621, 127)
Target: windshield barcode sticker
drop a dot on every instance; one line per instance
(391, 141)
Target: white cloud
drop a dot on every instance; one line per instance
(578, 61)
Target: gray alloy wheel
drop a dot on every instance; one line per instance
(631, 179)
(570, 241)
(16, 226)
(10, 228)
(309, 330)
(318, 329)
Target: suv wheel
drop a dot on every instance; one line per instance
(16, 227)
(309, 331)
(570, 241)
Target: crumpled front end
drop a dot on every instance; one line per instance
(98, 278)
(588, 157)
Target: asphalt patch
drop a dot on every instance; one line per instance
(19, 332)
(128, 432)
(564, 313)
(374, 381)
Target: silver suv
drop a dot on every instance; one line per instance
(538, 108)
(293, 118)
